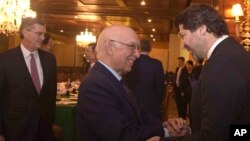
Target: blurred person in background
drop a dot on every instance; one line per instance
(181, 88)
(47, 42)
(91, 54)
(146, 80)
(28, 87)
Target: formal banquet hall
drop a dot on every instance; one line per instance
(73, 24)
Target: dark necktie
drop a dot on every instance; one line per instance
(34, 73)
(124, 84)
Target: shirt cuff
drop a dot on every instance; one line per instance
(166, 133)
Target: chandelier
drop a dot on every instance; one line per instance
(11, 14)
(85, 38)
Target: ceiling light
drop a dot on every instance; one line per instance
(85, 38)
(143, 3)
(151, 35)
(149, 20)
(11, 14)
(153, 29)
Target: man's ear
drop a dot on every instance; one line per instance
(109, 47)
(202, 29)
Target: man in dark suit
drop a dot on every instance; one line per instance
(91, 55)
(27, 87)
(106, 109)
(222, 95)
(181, 88)
(146, 80)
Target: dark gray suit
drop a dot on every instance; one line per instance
(222, 95)
(146, 80)
(106, 112)
(25, 115)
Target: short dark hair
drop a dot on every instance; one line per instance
(145, 45)
(46, 38)
(28, 23)
(92, 45)
(181, 58)
(200, 14)
(190, 62)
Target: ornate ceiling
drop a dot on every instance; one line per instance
(73, 16)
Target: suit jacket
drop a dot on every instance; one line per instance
(22, 109)
(222, 95)
(146, 80)
(106, 112)
(183, 80)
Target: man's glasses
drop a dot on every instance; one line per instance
(134, 47)
(37, 33)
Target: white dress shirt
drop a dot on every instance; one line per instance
(26, 55)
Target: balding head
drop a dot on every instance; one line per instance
(117, 47)
(118, 33)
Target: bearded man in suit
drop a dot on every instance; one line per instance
(222, 94)
(27, 87)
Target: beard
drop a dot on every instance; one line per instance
(196, 56)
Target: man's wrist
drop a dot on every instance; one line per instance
(166, 133)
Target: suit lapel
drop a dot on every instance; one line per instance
(123, 93)
(45, 67)
(24, 67)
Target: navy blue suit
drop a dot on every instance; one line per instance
(222, 94)
(146, 80)
(26, 115)
(106, 112)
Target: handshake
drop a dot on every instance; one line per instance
(176, 127)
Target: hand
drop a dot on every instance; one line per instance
(177, 127)
(155, 138)
(57, 130)
(1, 138)
(177, 123)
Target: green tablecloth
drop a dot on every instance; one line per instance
(65, 117)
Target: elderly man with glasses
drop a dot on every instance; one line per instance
(106, 109)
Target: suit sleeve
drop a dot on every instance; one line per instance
(222, 93)
(160, 86)
(109, 115)
(53, 88)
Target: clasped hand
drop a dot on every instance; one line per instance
(175, 127)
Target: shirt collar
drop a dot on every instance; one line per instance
(117, 76)
(26, 52)
(210, 51)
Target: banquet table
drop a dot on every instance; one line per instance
(65, 118)
(67, 93)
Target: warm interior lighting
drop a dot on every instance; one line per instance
(237, 11)
(11, 14)
(244, 26)
(85, 38)
(143, 3)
